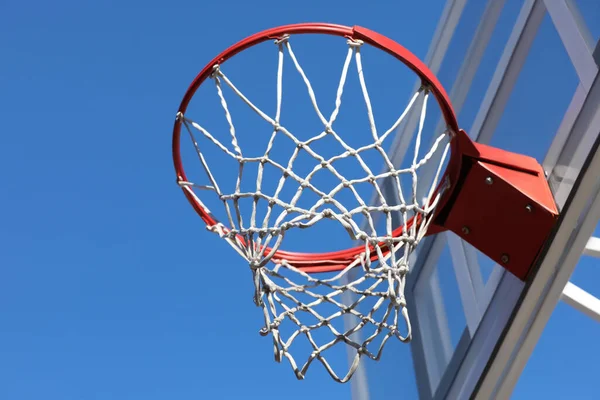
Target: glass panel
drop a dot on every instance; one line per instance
(540, 97)
(451, 295)
(589, 12)
(440, 312)
(489, 62)
(463, 35)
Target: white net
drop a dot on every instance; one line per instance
(363, 304)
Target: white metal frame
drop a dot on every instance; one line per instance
(592, 248)
(581, 300)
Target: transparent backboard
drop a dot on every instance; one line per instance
(522, 76)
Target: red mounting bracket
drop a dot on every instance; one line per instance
(504, 207)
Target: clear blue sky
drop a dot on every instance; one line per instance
(108, 284)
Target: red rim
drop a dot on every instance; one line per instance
(336, 260)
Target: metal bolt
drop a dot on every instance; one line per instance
(466, 230)
(504, 258)
(529, 208)
(489, 180)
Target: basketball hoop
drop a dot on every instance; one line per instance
(509, 221)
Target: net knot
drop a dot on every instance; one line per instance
(219, 229)
(254, 265)
(216, 71)
(354, 42)
(282, 39)
(425, 88)
(398, 301)
(183, 183)
(402, 270)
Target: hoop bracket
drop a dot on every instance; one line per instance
(505, 207)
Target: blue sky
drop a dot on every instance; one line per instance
(110, 286)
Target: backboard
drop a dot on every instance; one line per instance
(523, 76)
